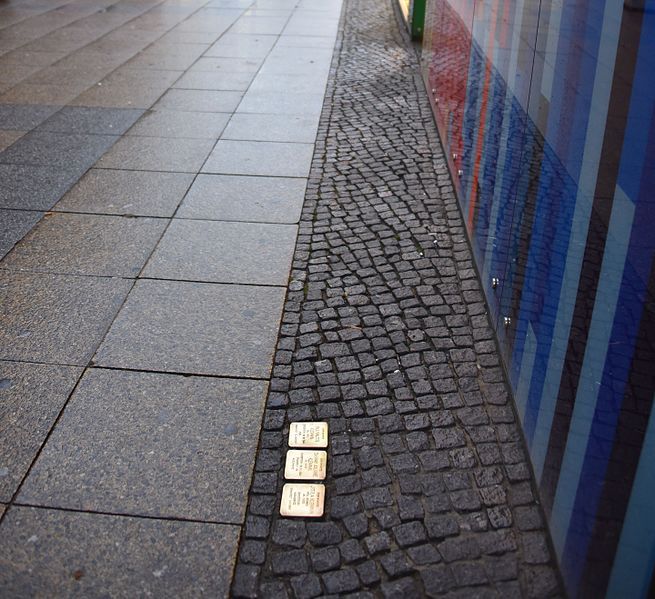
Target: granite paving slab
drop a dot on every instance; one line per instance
(59, 150)
(7, 138)
(272, 127)
(42, 93)
(222, 252)
(229, 4)
(115, 246)
(14, 224)
(197, 328)
(259, 158)
(174, 123)
(227, 65)
(31, 397)
(35, 187)
(127, 94)
(91, 555)
(176, 57)
(320, 56)
(290, 83)
(310, 25)
(201, 100)
(84, 76)
(210, 19)
(233, 45)
(21, 56)
(37, 311)
(259, 25)
(176, 36)
(140, 78)
(164, 445)
(24, 117)
(157, 154)
(304, 41)
(287, 66)
(221, 80)
(254, 199)
(141, 193)
(83, 119)
(264, 102)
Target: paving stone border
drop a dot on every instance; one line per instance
(385, 336)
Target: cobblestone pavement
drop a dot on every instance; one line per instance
(385, 336)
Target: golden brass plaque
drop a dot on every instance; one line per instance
(302, 500)
(308, 434)
(305, 464)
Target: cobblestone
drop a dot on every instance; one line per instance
(385, 337)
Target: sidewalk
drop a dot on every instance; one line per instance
(141, 311)
(203, 245)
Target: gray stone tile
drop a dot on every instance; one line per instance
(35, 187)
(299, 66)
(86, 244)
(175, 36)
(218, 81)
(282, 103)
(175, 123)
(82, 119)
(260, 158)
(257, 11)
(199, 328)
(227, 65)
(22, 56)
(259, 25)
(14, 224)
(139, 193)
(272, 127)
(220, 252)
(167, 57)
(31, 397)
(229, 3)
(307, 55)
(310, 25)
(233, 45)
(157, 154)
(24, 117)
(290, 83)
(42, 93)
(201, 100)
(7, 138)
(39, 309)
(128, 88)
(216, 20)
(84, 76)
(304, 41)
(235, 198)
(60, 150)
(91, 555)
(164, 446)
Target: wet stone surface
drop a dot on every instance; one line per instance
(385, 336)
(83, 555)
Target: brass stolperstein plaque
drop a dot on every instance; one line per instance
(302, 500)
(303, 464)
(308, 434)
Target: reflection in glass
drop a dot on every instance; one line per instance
(547, 114)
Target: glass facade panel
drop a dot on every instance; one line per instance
(547, 113)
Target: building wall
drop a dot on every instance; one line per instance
(547, 111)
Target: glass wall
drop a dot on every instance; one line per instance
(546, 109)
